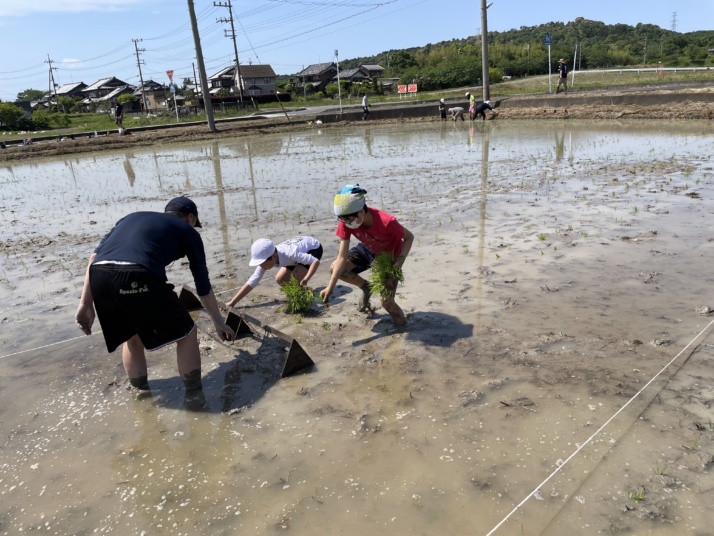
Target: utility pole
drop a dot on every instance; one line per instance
(339, 90)
(645, 60)
(53, 86)
(528, 69)
(235, 45)
(484, 49)
(141, 77)
(201, 68)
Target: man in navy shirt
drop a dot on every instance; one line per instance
(126, 282)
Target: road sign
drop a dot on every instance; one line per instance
(170, 74)
(547, 41)
(172, 87)
(402, 89)
(412, 88)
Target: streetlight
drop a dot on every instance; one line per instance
(339, 89)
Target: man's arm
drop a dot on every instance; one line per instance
(211, 305)
(407, 242)
(337, 268)
(85, 312)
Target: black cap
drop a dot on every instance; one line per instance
(183, 205)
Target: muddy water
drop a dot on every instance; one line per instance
(557, 269)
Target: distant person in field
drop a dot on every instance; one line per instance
(563, 76)
(365, 107)
(456, 113)
(118, 113)
(480, 110)
(442, 109)
(472, 105)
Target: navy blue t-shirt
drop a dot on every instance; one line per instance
(154, 240)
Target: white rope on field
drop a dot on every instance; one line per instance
(638, 393)
(47, 345)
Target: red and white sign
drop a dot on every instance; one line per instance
(401, 89)
(170, 74)
(412, 88)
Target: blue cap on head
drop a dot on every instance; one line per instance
(352, 189)
(183, 205)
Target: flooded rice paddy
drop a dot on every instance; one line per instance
(557, 270)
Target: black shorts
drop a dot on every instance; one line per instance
(130, 300)
(362, 257)
(317, 253)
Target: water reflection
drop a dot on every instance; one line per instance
(227, 252)
(128, 168)
(481, 248)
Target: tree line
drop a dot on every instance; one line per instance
(522, 52)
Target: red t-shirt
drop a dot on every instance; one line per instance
(385, 234)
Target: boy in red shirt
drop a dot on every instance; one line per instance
(377, 231)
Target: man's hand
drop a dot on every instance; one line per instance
(85, 318)
(223, 331)
(325, 294)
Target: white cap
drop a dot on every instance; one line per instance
(261, 250)
(442, 100)
(467, 94)
(487, 102)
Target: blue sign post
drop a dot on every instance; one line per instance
(548, 41)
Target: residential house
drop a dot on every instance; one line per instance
(101, 92)
(373, 70)
(73, 90)
(223, 79)
(357, 75)
(258, 80)
(155, 93)
(319, 75)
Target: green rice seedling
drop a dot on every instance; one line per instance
(694, 445)
(661, 469)
(638, 495)
(299, 298)
(383, 271)
(542, 237)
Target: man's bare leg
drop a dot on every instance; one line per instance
(188, 358)
(134, 359)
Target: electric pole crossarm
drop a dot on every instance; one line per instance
(235, 44)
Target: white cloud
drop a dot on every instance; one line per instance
(71, 63)
(19, 8)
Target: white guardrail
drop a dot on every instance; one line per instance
(645, 70)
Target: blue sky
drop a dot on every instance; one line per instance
(91, 39)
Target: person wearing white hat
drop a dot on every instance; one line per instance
(377, 232)
(298, 257)
(481, 110)
(442, 109)
(472, 104)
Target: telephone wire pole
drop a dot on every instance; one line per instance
(235, 45)
(141, 77)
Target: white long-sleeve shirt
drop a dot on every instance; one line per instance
(290, 253)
